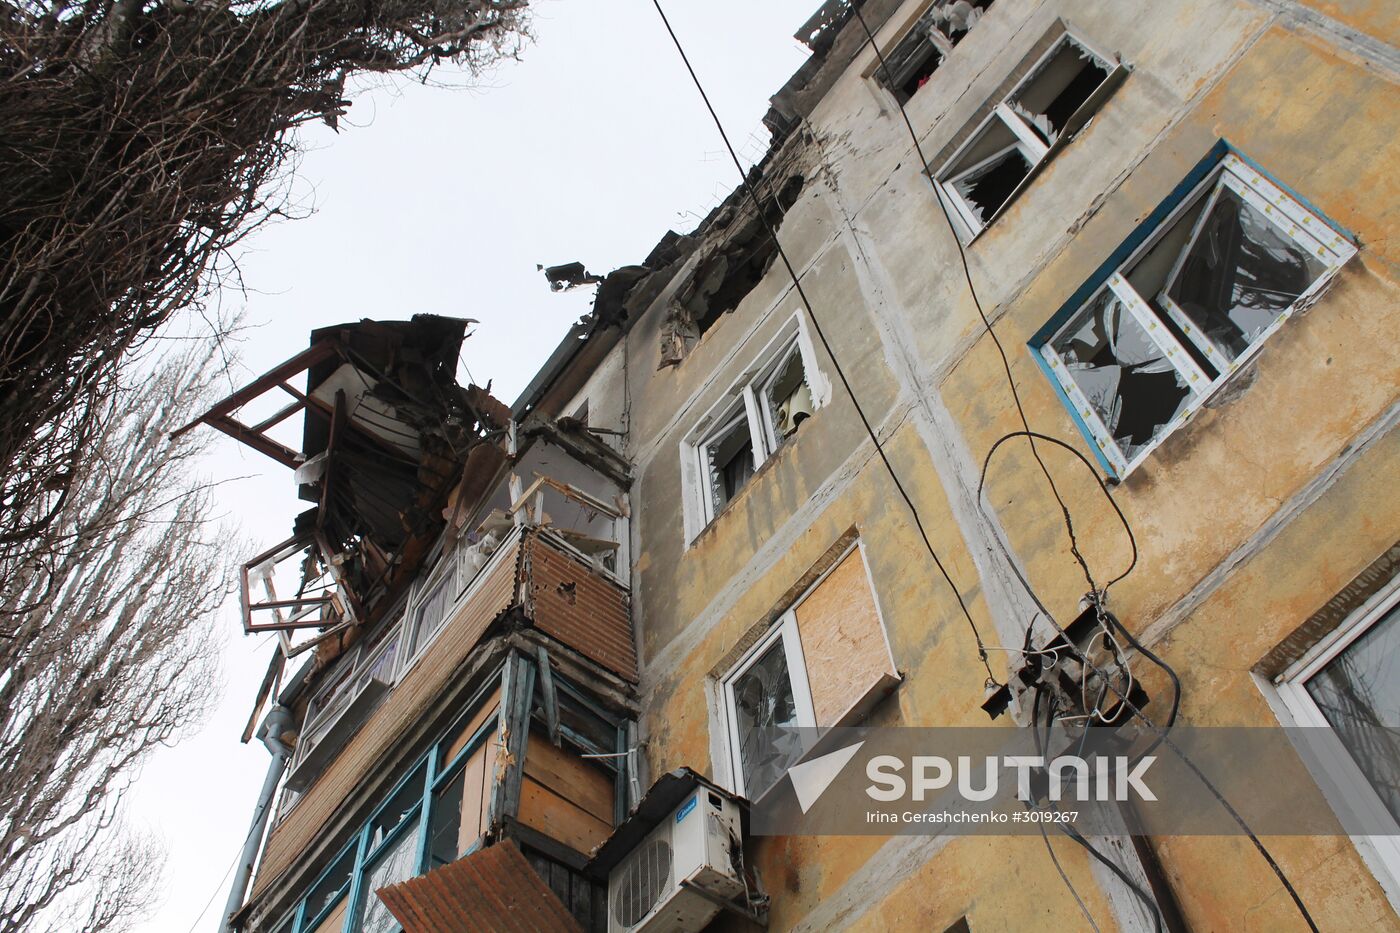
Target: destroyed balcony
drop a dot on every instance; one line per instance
(533, 587)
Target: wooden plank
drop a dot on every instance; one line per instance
(545, 811)
(551, 702)
(843, 641)
(459, 742)
(474, 795)
(572, 778)
(268, 380)
(517, 697)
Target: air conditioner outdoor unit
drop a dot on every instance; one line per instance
(661, 886)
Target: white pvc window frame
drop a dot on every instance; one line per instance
(361, 665)
(1029, 143)
(784, 631)
(449, 569)
(746, 400)
(1289, 218)
(1351, 791)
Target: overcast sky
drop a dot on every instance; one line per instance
(443, 201)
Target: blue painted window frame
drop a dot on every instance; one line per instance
(432, 777)
(1147, 228)
(433, 774)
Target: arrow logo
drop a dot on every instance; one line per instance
(810, 779)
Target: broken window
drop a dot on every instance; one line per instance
(333, 884)
(1125, 376)
(396, 861)
(785, 397)
(1230, 262)
(729, 460)
(1056, 98)
(767, 701)
(1345, 694)
(913, 60)
(769, 405)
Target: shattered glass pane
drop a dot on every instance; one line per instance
(327, 890)
(1239, 273)
(789, 398)
(398, 863)
(1062, 85)
(1127, 379)
(1359, 693)
(766, 711)
(988, 188)
(730, 462)
(446, 820)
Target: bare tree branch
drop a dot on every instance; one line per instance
(112, 653)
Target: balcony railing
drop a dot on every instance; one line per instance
(533, 572)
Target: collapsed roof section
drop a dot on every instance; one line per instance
(730, 250)
(387, 435)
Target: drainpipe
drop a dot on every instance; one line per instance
(278, 720)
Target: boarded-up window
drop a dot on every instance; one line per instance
(460, 810)
(824, 662)
(843, 642)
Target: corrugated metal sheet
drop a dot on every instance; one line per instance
(568, 600)
(494, 593)
(565, 598)
(493, 889)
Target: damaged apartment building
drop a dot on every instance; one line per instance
(530, 653)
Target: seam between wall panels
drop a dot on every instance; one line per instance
(777, 546)
(1275, 524)
(1357, 44)
(893, 864)
(981, 534)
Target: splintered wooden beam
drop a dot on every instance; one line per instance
(259, 442)
(268, 380)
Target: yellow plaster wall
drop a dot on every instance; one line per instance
(1324, 377)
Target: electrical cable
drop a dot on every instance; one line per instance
(1098, 595)
(1040, 748)
(1132, 539)
(826, 345)
(1055, 859)
(986, 322)
(1163, 738)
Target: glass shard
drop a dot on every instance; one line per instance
(766, 710)
(1239, 273)
(730, 461)
(398, 863)
(1124, 375)
(989, 187)
(1059, 88)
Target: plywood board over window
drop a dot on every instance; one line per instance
(849, 666)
